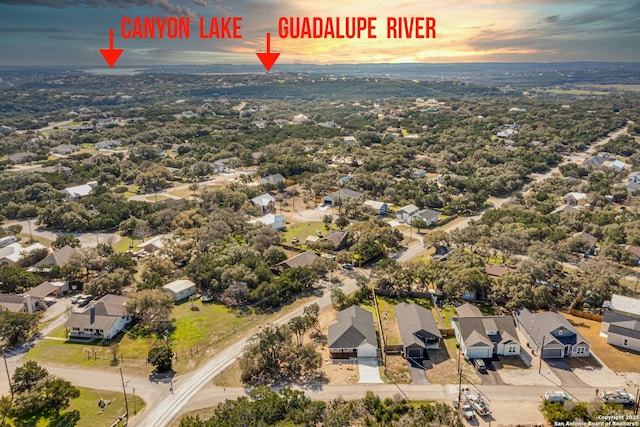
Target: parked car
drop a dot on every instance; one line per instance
(319, 233)
(556, 396)
(347, 266)
(480, 366)
(84, 300)
(75, 298)
(465, 409)
(206, 298)
(618, 396)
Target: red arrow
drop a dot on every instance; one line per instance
(268, 58)
(111, 55)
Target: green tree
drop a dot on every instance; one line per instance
(342, 222)
(27, 376)
(16, 328)
(66, 240)
(419, 223)
(152, 308)
(161, 357)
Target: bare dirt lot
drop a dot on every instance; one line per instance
(340, 372)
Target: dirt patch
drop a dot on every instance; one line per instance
(342, 372)
(614, 358)
(444, 363)
(397, 370)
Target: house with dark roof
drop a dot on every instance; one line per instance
(353, 334)
(482, 337)
(633, 182)
(336, 198)
(635, 252)
(551, 335)
(621, 322)
(304, 259)
(591, 241)
(428, 215)
(594, 162)
(19, 303)
(103, 319)
(418, 330)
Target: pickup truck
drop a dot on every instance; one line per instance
(465, 409)
(556, 396)
(618, 396)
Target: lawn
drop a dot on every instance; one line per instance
(301, 230)
(448, 313)
(615, 358)
(230, 377)
(88, 410)
(124, 244)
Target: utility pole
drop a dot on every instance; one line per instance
(135, 409)
(6, 367)
(30, 234)
(124, 391)
(541, 353)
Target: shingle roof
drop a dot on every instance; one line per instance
(178, 286)
(413, 319)
(468, 310)
(44, 289)
(272, 179)
(353, 328)
(301, 260)
(263, 199)
(105, 312)
(625, 304)
(474, 330)
(59, 257)
(539, 325)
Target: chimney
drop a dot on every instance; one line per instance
(27, 302)
(92, 313)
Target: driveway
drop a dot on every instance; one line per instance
(492, 376)
(369, 371)
(417, 373)
(564, 373)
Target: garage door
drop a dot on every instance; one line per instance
(552, 353)
(415, 353)
(367, 350)
(479, 352)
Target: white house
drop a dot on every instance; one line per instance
(277, 222)
(403, 214)
(379, 207)
(621, 322)
(353, 334)
(80, 191)
(14, 252)
(266, 202)
(104, 319)
(180, 289)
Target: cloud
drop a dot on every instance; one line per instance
(166, 5)
(32, 30)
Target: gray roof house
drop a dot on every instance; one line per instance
(590, 239)
(353, 334)
(633, 182)
(482, 337)
(60, 257)
(551, 335)
(265, 202)
(104, 319)
(272, 179)
(304, 259)
(418, 330)
(621, 322)
(594, 162)
(22, 157)
(65, 149)
(335, 198)
(406, 212)
(338, 238)
(430, 216)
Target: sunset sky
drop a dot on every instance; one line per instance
(70, 32)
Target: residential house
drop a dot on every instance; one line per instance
(594, 162)
(55, 169)
(272, 180)
(11, 254)
(591, 241)
(180, 289)
(551, 335)
(353, 334)
(59, 257)
(621, 322)
(403, 214)
(22, 157)
(482, 337)
(430, 216)
(338, 238)
(276, 222)
(102, 319)
(154, 244)
(349, 140)
(442, 253)
(418, 330)
(344, 180)
(19, 303)
(633, 182)
(304, 259)
(497, 270)
(418, 173)
(379, 207)
(82, 128)
(266, 202)
(635, 252)
(79, 191)
(336, 198)
(64, 149)
(564, 209)
(108, 144)
(617, 165)
(48, 289)
(574, 198)
(7, 240)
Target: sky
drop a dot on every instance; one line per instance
(70, 32)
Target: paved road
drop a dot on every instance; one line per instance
(189, 386)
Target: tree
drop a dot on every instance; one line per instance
(27, 376)
(109, 283)
(16, 328)
(14, 279)
(66, 240)
(342, 222)
(120, 260)
(152, 308)
(161, 357)
(327, 219)
(419, 223)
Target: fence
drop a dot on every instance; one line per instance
(393, 349)
(400, 293)
(585, 315)
(446, 332)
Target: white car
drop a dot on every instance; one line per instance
(618, 396)
(556, 396)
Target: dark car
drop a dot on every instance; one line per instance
(347, 266)
(480, 366)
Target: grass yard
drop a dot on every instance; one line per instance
(185, 193)
(615, 358)
(301, 230)
(88, 411)
(389, 323)
(26, 237)
(448, 313)
(230, 377)
(124, 244)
